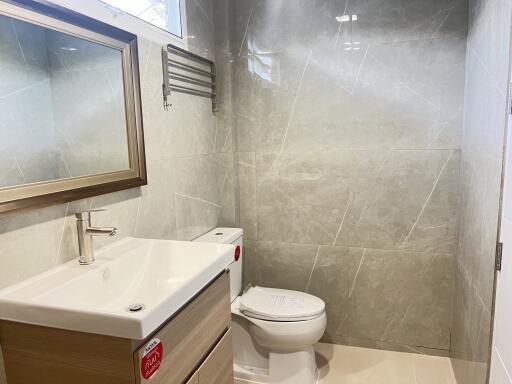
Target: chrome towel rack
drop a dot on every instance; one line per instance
(186, 72)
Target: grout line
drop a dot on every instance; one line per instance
(196, 199)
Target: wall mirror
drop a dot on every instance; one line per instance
(70, 112)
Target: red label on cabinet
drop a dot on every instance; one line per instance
(151, 358)
(237, 253)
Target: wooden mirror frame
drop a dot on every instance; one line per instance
(40, 194)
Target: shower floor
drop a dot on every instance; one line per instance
(340, 364)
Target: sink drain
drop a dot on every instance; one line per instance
(136, 308)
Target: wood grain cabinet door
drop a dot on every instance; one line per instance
(188, 337)
(218, 366)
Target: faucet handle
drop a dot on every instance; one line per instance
(86, 215)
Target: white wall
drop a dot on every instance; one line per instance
(501, 361)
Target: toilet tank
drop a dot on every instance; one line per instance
(229, 236)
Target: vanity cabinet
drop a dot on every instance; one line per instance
(218, 366)
(194, 346)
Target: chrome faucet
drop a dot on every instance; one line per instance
(85, 234)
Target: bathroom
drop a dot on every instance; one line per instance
(325, 180)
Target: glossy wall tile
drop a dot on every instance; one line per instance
(190, 176)
(487, 59)
(348, 119)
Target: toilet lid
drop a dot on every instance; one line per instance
(280, 305)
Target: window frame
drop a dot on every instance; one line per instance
(106, 13)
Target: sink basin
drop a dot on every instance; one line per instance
(155, 277)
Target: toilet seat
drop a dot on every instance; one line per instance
(280, 305)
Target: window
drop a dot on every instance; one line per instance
(164, 14)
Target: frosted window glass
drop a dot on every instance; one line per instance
(164, 14)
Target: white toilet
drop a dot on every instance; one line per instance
(273, 329)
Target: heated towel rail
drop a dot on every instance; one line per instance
(186, 72)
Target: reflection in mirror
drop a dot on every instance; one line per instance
(62, 106)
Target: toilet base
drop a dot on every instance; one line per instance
(283, 368)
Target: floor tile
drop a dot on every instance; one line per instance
(339, 364)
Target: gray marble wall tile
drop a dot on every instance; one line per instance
(487, 61)
(194, 125)
(181, 159)
(26, 126)
(24, 61)
(279, 265)
(225, 132)
(410, 307)
(247, 194)
(414, 20)
(156, 208)
(226, 188)
(196, 177)
(29, 243)
(336, 268)
(11, 173)
(348, 120)
(410, 310)
(194, 216)
(201, 36)
(87, 81)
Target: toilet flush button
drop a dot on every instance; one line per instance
(237, 253)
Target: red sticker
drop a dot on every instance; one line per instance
(151, 358)
(237, 253)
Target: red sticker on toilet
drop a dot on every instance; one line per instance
(151, 358)
(237, 253)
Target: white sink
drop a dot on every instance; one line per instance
(161, 275)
